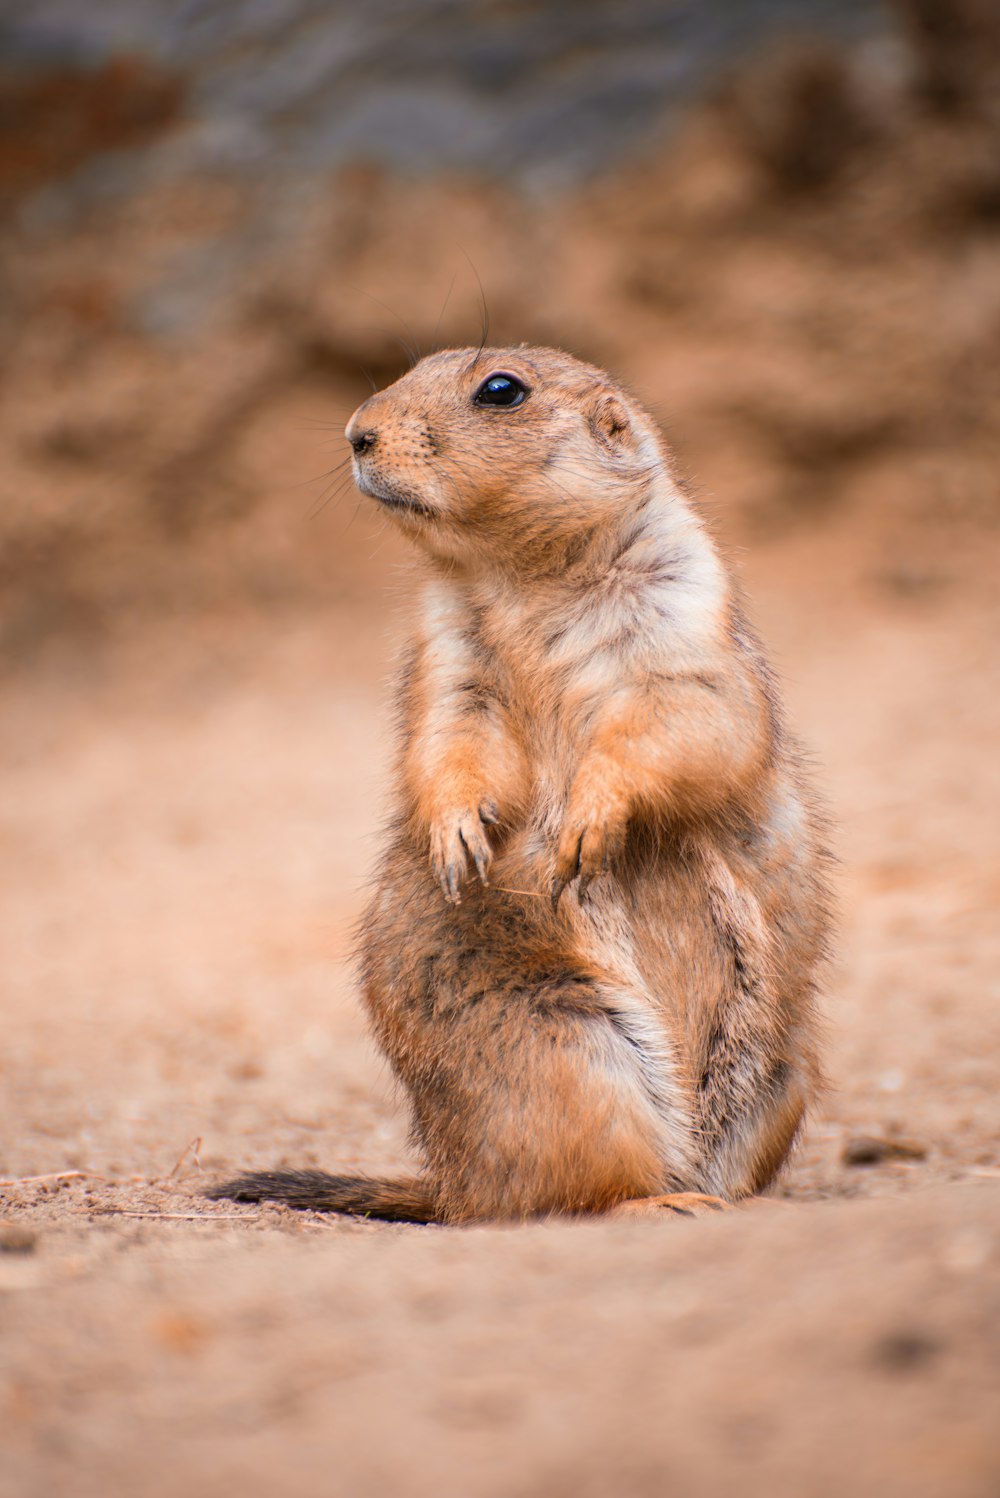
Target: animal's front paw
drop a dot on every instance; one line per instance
(593, 832)
(457, 836)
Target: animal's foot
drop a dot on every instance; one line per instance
(678, 1203)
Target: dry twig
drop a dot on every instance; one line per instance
(191, 1148)
(55, 1175)
(179, 1216)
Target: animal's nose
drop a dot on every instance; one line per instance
(362, 441)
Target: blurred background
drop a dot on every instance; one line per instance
(779, 222)
(778, 219)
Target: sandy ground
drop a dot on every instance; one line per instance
(186, 826)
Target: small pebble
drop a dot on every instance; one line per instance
(15, 1239)
(905, 1349)
(870, 1149)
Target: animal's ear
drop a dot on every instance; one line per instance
(611, 423)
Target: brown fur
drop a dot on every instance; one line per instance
(591, 952)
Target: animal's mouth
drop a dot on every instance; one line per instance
(392, 496)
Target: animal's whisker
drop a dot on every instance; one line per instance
(337, 492)
(444, 306)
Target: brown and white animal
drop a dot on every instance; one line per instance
(591, 952)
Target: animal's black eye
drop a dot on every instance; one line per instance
(500, 390)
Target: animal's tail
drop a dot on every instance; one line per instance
(407, 1200)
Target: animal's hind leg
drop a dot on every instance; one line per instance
(750, 1149)
(538, 1084)
(757, 1058)
(746, 1159)
(549, 1091)
(566, 1112)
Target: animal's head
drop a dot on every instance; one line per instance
(513, 454)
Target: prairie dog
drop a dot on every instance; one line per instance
(591, 951)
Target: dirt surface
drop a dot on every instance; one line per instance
(194, 638)
(185, 844)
